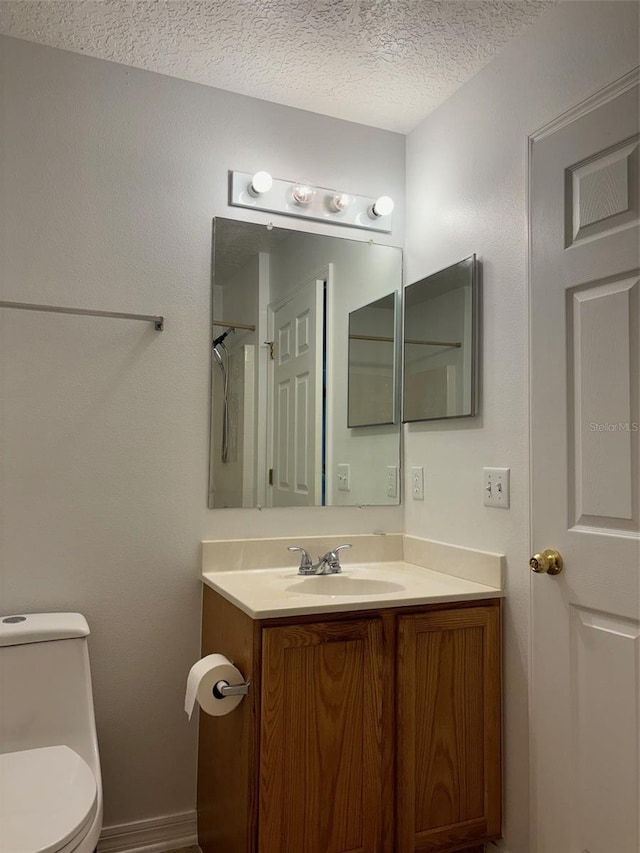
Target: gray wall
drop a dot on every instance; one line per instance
(109, 179)
(466, 192)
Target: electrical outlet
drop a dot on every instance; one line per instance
(392, 481)
(344, 478)
(417, 484)
(496, 492)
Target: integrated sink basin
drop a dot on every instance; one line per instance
(275, 592)
(343, 584)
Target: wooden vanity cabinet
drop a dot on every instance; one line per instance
(367, 732)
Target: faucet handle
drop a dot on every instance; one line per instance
(340, 548)
(306, 563)
(332, 558)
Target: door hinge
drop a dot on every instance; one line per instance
(272, 349)
(271, 476)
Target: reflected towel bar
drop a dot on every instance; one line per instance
(158, 322)
(247, 326)
(456, 344)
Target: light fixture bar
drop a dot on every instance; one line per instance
(324, 205)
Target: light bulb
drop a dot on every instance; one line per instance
(302, 193)
(382, 206)
(340, 202)
(260, 183)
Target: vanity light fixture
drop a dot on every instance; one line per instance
(340, 202)
(303, 193)
(382, 206)
(260, 183)
(260, 191)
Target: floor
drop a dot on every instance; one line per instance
(186, 850)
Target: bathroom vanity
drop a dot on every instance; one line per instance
(373, 720)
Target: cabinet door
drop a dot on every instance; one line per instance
(448, 740)
(321, 732)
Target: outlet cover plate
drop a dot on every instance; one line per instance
(417, 483)
(392, 481)
(344, 477)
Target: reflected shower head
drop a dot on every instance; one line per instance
(221, 338)
(219, 356)
(221, 359)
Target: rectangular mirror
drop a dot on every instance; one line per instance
(280, 428)
(440, 344)
(373, 346)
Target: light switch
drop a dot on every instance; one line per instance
(392, 481)
(344, 478)
(496, 487)
(417, 484)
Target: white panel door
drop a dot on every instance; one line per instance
(585, 392)
(297, 405)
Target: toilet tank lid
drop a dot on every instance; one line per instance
(41, 627)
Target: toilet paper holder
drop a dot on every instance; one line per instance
(223, 688)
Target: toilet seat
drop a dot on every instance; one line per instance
(48, 798)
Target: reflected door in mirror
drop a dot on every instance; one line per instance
(298, 392)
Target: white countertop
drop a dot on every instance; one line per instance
(273, 592)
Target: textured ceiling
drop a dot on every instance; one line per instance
(386, 63)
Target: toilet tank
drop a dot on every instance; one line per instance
(45, 684)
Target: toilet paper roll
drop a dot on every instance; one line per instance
(203, 677)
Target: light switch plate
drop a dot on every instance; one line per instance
(417, 484)
(344, 478)
(392, 481)
(497, 492)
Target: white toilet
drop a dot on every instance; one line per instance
(50, 784)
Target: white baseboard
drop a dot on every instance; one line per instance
(155, 835)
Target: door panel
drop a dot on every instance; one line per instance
(304, 414)
(602, 194)
(282, 459)
(605, 666)
(321, 738)
(585, 443)
(603, 341)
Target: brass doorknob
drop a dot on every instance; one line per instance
(548, 561)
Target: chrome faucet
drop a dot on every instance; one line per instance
(329, 564)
